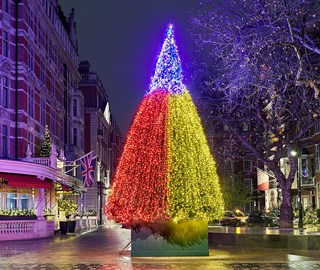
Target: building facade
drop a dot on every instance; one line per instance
(102, 135)
(39, 87)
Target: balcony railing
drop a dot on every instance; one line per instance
(16, 228)
(42, 161)
(307, 181)
(25, 229)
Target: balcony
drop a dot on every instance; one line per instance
(307, 181)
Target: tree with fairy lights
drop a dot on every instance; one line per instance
(166, 171)
(46, 144)
(260, 71)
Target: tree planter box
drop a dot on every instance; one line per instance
(72, 226)
(50, 217)
(63, 227)
(2, 217)
(146, 244)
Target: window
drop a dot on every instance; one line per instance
(247, 165)
(30, 57)
(6, 6)
(317, 127)
(24, 199)
(17, 201)
(30, 18)
(5, 92)
(52, 121)
(247, 185)
(229, 166)
(42, 112)
(75, 107)
(41, 34)
(245, 126)
(12, 202)
(30, 139)
(75, 136)
(5, 44)
(304, 167)
(5, 141)
(30, 101)
(50, 49)
(51, 86)
(317, 157)
(42, 72)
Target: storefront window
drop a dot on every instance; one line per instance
(12, 201)
(1, 202)
(24, 201)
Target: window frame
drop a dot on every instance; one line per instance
(5, 43)
(245, 167)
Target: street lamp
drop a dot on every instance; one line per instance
(297, 154)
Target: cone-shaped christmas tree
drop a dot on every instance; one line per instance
(46, 144)
(166, 171)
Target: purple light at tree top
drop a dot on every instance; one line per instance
(168, 72)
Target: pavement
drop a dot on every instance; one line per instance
(108, 247)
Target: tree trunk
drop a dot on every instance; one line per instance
(286, 206)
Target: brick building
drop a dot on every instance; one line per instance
(38, 88)
(102, 135)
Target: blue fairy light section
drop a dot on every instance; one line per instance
(168, 72)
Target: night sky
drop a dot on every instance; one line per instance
(122, 39)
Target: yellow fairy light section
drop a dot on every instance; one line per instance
(193, 183)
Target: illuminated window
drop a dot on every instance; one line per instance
(12, 201)
(24, 201)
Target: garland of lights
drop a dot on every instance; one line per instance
(166, 171)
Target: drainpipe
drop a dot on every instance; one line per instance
(16, 79)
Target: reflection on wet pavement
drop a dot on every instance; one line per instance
(108, 248)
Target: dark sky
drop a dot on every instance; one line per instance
(122, 39)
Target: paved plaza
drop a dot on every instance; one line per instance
(107, 247)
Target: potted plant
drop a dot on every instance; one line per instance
(49, 214)
(17, 214)
(70, 208)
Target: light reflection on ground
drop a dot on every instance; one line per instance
(107, 248)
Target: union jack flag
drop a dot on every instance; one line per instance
(88, 165)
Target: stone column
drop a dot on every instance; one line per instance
(39, 202)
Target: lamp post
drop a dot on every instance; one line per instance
(300, 222)
(297, 154)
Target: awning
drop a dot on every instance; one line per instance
(22, 180)
(62, 187)
(66, 188)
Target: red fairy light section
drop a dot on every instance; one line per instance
(140, 187)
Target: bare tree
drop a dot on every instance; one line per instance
(259, 60)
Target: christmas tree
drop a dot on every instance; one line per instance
(166, 171)
(46, 143)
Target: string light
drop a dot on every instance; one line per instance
(168, 71)
(166, 171)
